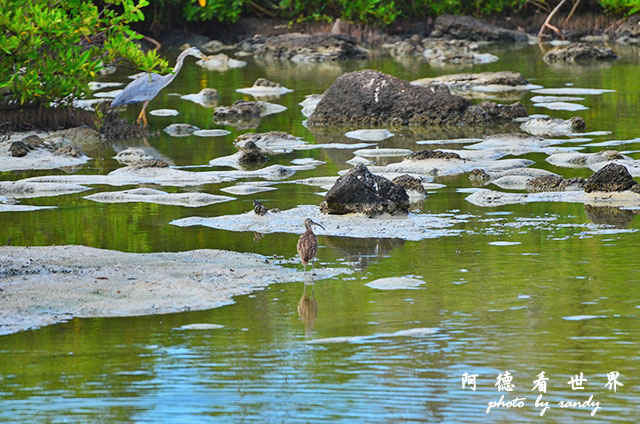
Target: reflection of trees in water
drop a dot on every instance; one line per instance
(281, 70)
(608, 215)
(360, 251)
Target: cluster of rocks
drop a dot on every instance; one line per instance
(59, 144)
(580, 53)
(304, 48)
(373, 99)
(610, 178)
(468, 28)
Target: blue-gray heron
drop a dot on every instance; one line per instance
(308, 244)
(146, 87)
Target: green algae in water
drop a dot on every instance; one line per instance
(508, 307)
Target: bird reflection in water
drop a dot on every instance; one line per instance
(308, 308)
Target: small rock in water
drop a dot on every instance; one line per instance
(395, 283)
(265, 88)
(68, 151)
(19, 149)
(382, 152)
(220, 62)
(164, 112)
(211, 133)
(131, 155)
(180, 130)
(572, 107)
(370, 135)
(432, 154)
(207, 97)
(553, 126)
(200, 326)
(409, 183)
(554, 183)
(251, 157)
(151, 163)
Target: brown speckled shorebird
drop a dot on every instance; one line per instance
(308, 244)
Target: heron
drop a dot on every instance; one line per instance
(308, 244)
(145, 88)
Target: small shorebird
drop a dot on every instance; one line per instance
(308, 244)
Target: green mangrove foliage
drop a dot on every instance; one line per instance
(629, 7)
(380, 12)
(52, 49)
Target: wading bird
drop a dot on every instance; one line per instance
(146, 87)
(308, 244)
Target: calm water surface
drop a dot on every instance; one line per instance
(564, 300)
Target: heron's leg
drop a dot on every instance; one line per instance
(143, 116)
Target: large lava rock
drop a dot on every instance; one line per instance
(304, 48)
(359, 191)
(581, 53)
(611, 177)
(468, 28)
(371, 98)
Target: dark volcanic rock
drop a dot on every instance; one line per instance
(554, 183)
(407, 182)
(241, 109)
(251, 157)
(468, 28)
(241, 114)
(303, 48)
(19, 149)
(485, 112)
(432, 154)
(371, 98)
(359, 191)
(612, 177)
(580, 53)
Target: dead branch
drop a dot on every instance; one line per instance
(573, 10)
(547, 23)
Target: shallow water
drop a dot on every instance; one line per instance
(524, 288)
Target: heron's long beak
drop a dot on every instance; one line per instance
(315, 223)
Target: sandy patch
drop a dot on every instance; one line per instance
(149, 195)
(408, 227)
(45, 285)
(395, 283)
(491, 198)
(35, 159)
(167, 176)
(23, 190)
